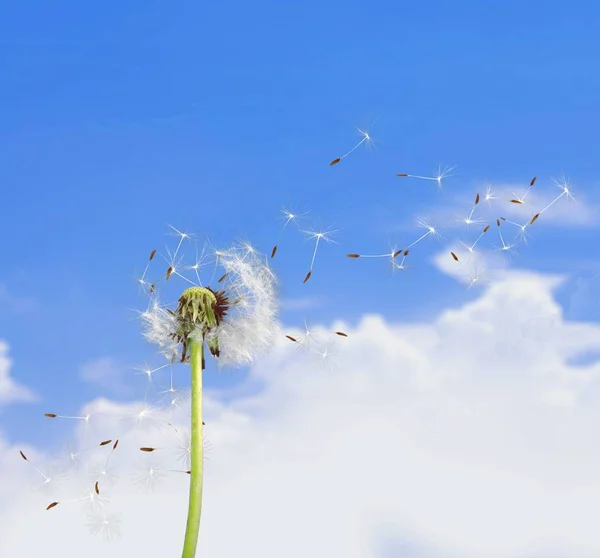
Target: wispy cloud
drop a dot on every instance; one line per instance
(14, 302)
(105, 372)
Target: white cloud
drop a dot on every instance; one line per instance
(10, 390)
(469, 436)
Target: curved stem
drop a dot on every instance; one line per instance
(197, 452)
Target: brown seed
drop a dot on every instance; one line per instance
(486, 229)
(533, 181)
(534, 219)
(23, 455)
(335, 161)
(152, 288)
(115, 444)
(147, 450)
(476, 199)
(292, 338)
(498, 222)
(503, 218)
(97, 488)
(203, 423)
(353, 255)
(406, 252)
(402, 174)
(50, 415)
(189, 472)
(169, 271)
(396, 254)
(341, 334)
(307, 277)
(454, 256)
(53, 504)
(222, 278)
(151, 255)
(274, 251)
(105, 442)
(516, 201)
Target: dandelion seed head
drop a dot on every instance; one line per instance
(237, 323)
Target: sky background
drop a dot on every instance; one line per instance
(118, 120)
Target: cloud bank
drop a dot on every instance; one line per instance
(467, 436)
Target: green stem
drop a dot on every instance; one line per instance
(197, 452)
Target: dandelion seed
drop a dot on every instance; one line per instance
(222, 278)
(365, 138)
(292, 338)
(441, 174)
(563, 184)
(341, 334)
(534, 219)
(152, 255)
(52, 505)
(107, 526)
(486, 229)
(289, 217)
(97, 488)
(147, 450)
(454, 256)
(353, 255)
(105, 442)
(533, 181)
(49, 480)
(469, 219)
(431, 231)
(516, 201)
(317, 236)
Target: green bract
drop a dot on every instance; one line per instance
(199, 312)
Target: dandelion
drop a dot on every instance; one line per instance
(235, 321)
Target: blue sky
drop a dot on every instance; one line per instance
(119, 119)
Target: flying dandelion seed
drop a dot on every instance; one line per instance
(440, 175)
(508, 248)
(563, 184)
(469, 220)
(365, 138)
(317, 236)
(290, 216)
(471, 248)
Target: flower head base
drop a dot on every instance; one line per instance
(200, 311)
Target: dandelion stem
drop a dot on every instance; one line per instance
(196, 451)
